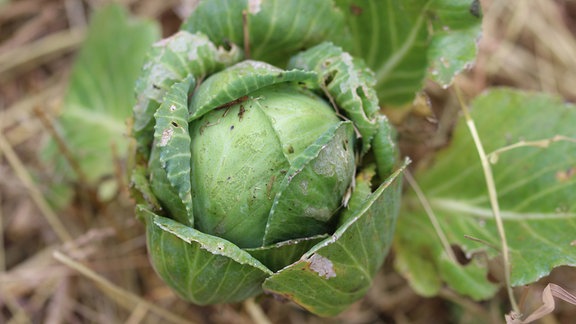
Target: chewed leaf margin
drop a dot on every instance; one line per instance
(347, 82)
(237, 81)
(279, 227)
(339, 270)
(456, 29)
(172, 139)
(276, 29)
(279, 255)
(172, 60)
(200, 267)
(404, 42)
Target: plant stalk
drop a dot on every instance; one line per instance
(492, 194)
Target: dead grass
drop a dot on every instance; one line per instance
(86, 261)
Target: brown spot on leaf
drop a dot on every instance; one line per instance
(241, 112)
(356, 10)
(565, 175)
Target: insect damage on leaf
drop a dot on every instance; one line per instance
(166, 136)
(251, 216)
(254, 6)
(322, 266)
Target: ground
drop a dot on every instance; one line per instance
(105, 277)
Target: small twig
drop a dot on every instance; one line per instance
(123, 297)
(40, 51)
(32, 28)
(481, 241)
(119, 171)
(59, 304)
(121, 182)
(543, 143)
(35, 193)
(13, 10)
(23, 108)
(62, 146)
(2, 247)
(337, 110)
(75, 13)
(256, 312)
(431, 215)
(19, 313)
(331, 99)
(492, 194)
(138, 314)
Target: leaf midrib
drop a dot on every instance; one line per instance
(460, 206)
(401, 52)
(101, 119)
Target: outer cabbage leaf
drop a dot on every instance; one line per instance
(456, 29)
(535, 191)
(347, 82)
(200, 267)
(277, 29)
(170, 163)
(339, 270)
(403, 39)
(100, 95)
(172, 60)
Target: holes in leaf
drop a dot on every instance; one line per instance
(345, 144)
(175, 124)
(227, 44)
(330, 77)
(476, 9)
(460, 255)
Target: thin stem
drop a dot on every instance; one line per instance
(256, 312)
(62, 146)
(492, 194)
(488, 244)
(2, 247)
(123, 297)
(39, 51)
(35, 193)
(431, 215)
(544, 143)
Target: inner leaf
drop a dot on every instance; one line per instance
(311, 191)
(234, 84)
